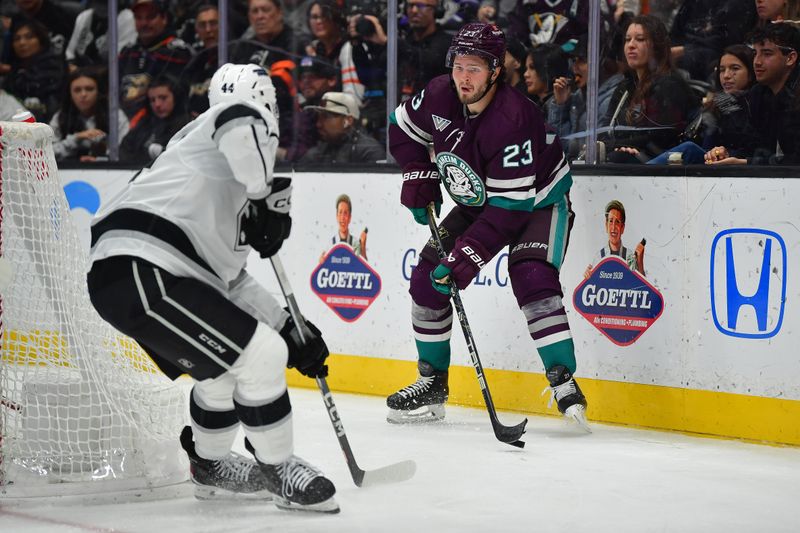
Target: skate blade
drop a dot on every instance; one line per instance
(421, 415)
(206, 493)
(329, 506)
(577, 413)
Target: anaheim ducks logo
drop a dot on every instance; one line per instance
(462, 183)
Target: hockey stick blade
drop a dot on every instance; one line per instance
(510, 434)
(394, 473)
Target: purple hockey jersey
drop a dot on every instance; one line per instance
(500, 162)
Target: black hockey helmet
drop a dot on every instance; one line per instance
(479, 39)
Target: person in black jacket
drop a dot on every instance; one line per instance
(653, 104)
(422, 51)
(166, 114)
(36, 73)
(773, 108)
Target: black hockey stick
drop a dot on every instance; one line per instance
(362, 478)
(508, 434)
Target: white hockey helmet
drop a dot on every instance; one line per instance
(242, 83)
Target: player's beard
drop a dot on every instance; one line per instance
(475, 96)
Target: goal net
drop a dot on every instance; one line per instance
(82, 408)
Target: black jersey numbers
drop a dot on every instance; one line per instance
(516, 155)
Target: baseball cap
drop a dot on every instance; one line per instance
(338, 103)
(517, 50)
(160, 5)
(317, 66)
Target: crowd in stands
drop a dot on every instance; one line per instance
(713, 81)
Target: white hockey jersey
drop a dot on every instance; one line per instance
(184, 212)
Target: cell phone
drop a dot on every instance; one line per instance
(572, 84)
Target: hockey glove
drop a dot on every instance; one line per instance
(309, 357)
(267, 222)
(461, 265)
(420, 188)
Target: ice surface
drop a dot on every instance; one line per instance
(615, 480)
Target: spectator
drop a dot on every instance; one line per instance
(423, 49)
(328, 26)
(80, 127)
(703, 28)
(274, 47)
(566, 111)
(55, 16)
(36, 72)
(724, 113)
(317, 77)
(774, 109)
(653, 104)
(203, 65)
(363, 63)
(776, 10)
(543, 65)
(341, 139)
(157, 52)
(515, 64)
(88, 43)
(166, 115)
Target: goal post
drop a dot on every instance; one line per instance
(83, 409)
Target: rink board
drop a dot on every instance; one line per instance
(718, 359)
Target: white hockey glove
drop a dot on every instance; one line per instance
(267, 222)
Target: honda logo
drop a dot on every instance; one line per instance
(748, 282)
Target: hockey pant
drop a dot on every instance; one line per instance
(534, 262)
(227, 342)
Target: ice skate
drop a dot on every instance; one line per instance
(423, 400)
(568, 396)
(298, 486)
(231, 478)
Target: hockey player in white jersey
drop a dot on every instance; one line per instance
(168, 257)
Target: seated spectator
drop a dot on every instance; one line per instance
(776, 10)
(543, 65)
(58, 18)
(167, 114)
(203, 65)
(88, 43)
(295, 15)
(652, 106)
(566, 111)
(157, 52)
(328, 26)
(317, 77)
(363, 64)
(36, 72)
(724, 112)
(80, 127)
(702, 28)
(514, 64)
(272, 44)
(341, 139)
(423, 48)
(773, 108)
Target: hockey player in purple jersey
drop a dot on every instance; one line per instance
(510, 182)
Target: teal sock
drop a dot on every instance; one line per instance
(559, 353)
(437, 354)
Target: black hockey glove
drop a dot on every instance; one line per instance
(309, 357)
(267, 222)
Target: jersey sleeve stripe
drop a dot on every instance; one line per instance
(513, 195)
(515, 183)
(411, 129)
(559, 184)
(235, 115)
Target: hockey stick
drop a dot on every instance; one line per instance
(508, 434)
(362, 478)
